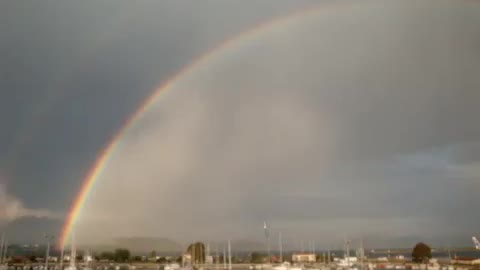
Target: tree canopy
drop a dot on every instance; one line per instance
(421, 253)
(107, 255)
(258, 257)
(121, 255)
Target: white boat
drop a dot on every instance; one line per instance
(172, 266)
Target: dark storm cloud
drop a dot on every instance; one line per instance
(381, 111)
(346, 122)
(71, 73)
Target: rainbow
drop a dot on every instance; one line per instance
(231, 43)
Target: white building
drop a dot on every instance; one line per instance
(186, 258)
(209, 259)
(304, 257)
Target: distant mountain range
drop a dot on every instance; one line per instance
(161, 245)
(148, 244)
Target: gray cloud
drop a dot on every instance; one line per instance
(337, 123)
(358, 121)
(12, 209)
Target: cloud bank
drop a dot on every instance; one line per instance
(12, 208)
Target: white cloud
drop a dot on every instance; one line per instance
(12, 208)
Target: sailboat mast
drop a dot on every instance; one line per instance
(328, 256)
(229, 255)
(224, 258)
(62, 251)
(280, 247)
(73, 252)
(361, 253)
(1, 248)
(208, 254)
(217, 258)
(267, 238)
(5, 252)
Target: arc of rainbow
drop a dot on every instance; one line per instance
(95, 171)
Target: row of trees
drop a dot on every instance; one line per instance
(421, 253)
(119, 255)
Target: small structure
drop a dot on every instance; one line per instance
(304, 257)
(466, 261)
(209, 259)
(187, 259)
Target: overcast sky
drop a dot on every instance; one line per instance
(358, 120)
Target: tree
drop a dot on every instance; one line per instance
(106, 255)
(258, 257)
(197, 251)
(421, 253)
(162, 260)
(179, 259)
(121, 255)
(137, 258)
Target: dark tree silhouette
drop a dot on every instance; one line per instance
(121, 255)
(421, 253)
(256, 257)
(179, 259)
(107, 256)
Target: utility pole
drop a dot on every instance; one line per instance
(48, 238)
